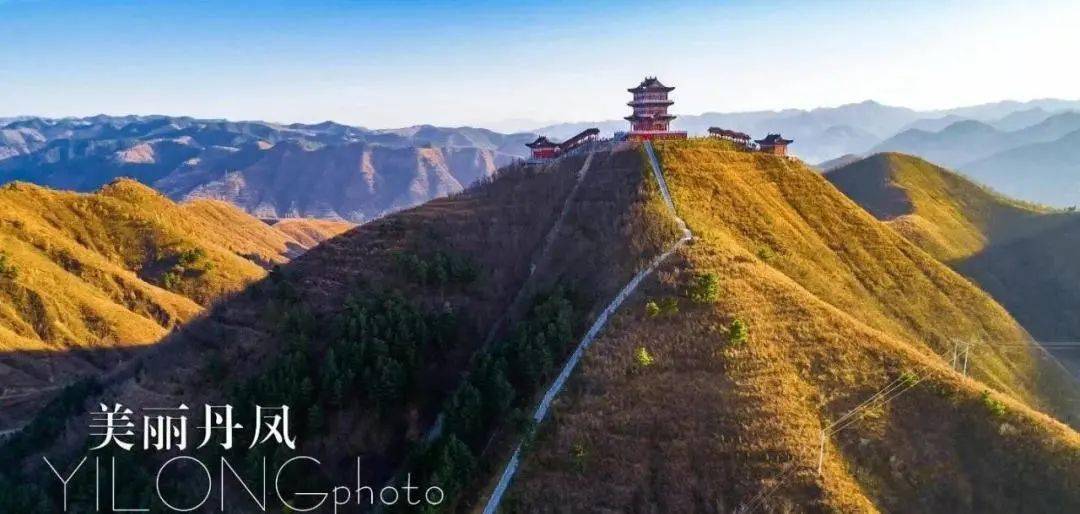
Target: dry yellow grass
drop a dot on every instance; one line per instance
(107, 271)
(1016, 251)
(309, 231)
(90, 266)
(946, 214)
(838, 306)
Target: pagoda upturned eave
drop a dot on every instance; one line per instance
(542, 142)
(642, 103)
(635, 117)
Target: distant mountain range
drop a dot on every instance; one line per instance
(335, 171)
(959, 138)
(1040, 162)
(324, 170)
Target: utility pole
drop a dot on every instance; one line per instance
(967, 352)
(955, 352)
(821, 452)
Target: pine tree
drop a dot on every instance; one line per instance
(465, 411)
(454, 467)
(642, 358)
(331, 374)
(389, 387)
(739, 333)
(705, 288)
(496, 390)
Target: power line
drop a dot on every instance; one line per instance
(893, 390)
(765, 493)
(890, 392)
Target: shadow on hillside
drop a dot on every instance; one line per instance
(29, 379)
(1035, 278)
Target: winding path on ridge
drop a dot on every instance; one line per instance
(540, 259)
(542, 408)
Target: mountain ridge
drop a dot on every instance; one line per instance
(834, 306)
(113, 271)
(1012, 249)
(257, 165)
(867, 123)
(716, 418)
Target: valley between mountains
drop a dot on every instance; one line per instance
(800, 296)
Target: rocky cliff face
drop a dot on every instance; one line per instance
(356, 182)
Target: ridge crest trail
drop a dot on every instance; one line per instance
(542, 408)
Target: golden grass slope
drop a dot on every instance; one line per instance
(838, 306)
(1020, 253)
(941, 211)
(114, 269)
(94, 268)
(309, 231)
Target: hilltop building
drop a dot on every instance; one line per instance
(739, 138)
(543, 149)
(774, 144)
(650, 119)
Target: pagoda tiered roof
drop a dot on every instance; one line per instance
(650, 84)
(774, 140)
(642, 117)
(637, 103)
(541, 142)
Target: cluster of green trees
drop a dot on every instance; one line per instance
(704, 288)
(666, 306)
(190, 261)
(437, 269)
(993, 405)
(384, 341)
(500, 387)
(381, 343)
(738, 332)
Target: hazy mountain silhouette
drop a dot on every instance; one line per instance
(325, 169)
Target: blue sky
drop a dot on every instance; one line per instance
(483, 63)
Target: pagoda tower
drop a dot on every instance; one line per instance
(650, 119)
